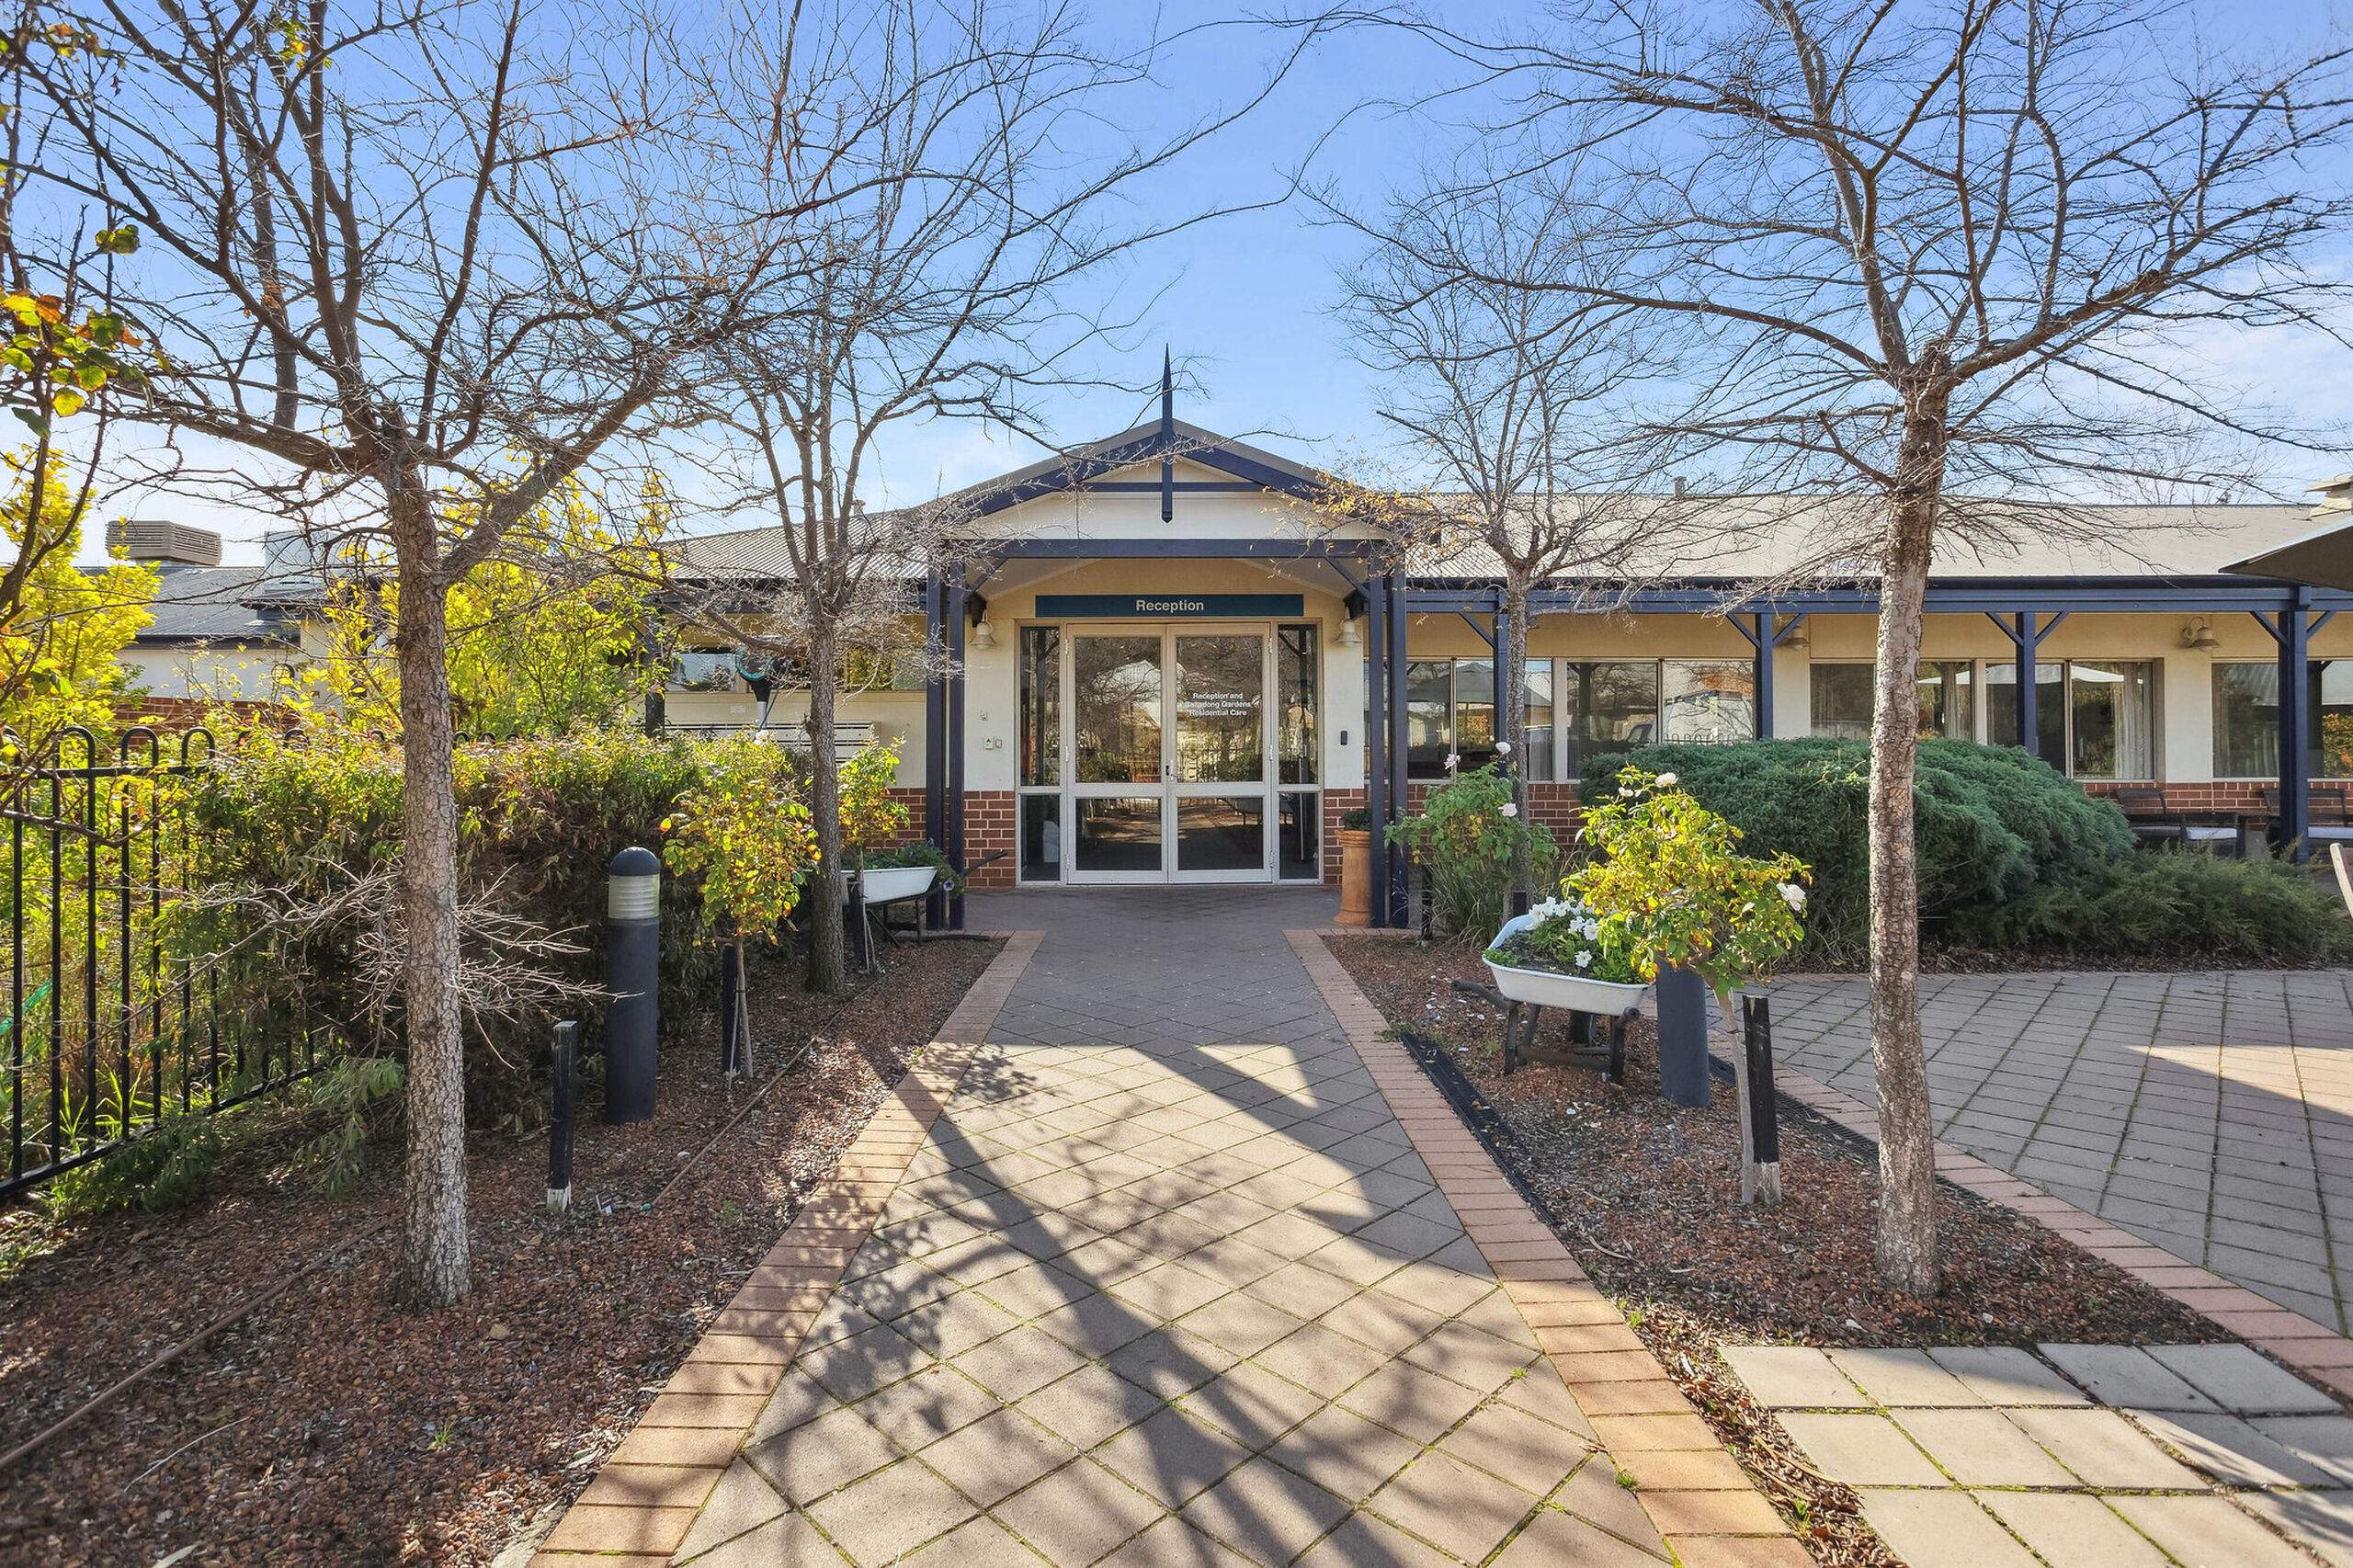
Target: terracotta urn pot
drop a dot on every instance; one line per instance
(1355, 875)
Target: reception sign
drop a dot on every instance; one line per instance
(1160, 606)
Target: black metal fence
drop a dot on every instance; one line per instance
(118, 1017)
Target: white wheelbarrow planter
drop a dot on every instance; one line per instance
(888, 884)
(1543, 988)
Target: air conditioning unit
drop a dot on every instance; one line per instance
(174, 543)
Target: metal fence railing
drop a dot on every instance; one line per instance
(116, 1021)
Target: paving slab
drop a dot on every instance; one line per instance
(2208, 1532)
(2004, 1374)
(1943, 1530)
(2243, 1381)
(2072, 1529)
(2125, 1376)
(2321, 1520)
(1903, 1376)
(2229, 1449)
(1861, 1450)
(1793, 1377)
(2104, 1449)
(1982, 1447)
(2323, 1441)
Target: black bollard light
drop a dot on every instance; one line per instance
(633, 943)
(567, 1081)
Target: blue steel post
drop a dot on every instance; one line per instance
(1400, 797)
(2295, 825)
(1765, 639)
(1376, 736)
(2027, 638)
(956, 603)
(935, 739)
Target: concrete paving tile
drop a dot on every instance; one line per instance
(791, 1542)
(2071, 1529)
(1412, 1401)
(1266, 1512)
(812, 1459)
(1172, 1543)
(1445, 1502)
(1793, 1377)
(879, 1520)
(2321, 1521)
(1941, 1529)
(2003, 1374)
(977, 1543)
(1903, 1377)
(1346, 1454)
(1861, 1450)
(1982, 1447)
(2229, 1449)
(2323, 1441)
(2102, 1449)
(1251, 1405)
(2243, 1381)
(1078, 1514)
(1361, 1541)
(2204, 1531)
(1171, 1455)
(2125, 1375)
(996, 1455)
(1553, 1538)
(1593, 1493)
(1513, 1443)
(1316, 1358)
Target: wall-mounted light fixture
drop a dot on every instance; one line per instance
(2198, 633)
(983, 635)
(1349, 636)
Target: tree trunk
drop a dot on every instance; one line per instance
(1907, 1160)
(1511, 724)
(436, 1268)
(826, 961)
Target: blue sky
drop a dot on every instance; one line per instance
(1246, 300)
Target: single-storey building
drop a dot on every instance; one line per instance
(1167, 665)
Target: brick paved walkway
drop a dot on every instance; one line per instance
(1166, 1279)
(2209, 1113)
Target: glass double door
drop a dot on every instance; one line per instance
(1168, 755)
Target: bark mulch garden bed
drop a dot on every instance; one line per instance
(1646, 1194)
(329, 1427)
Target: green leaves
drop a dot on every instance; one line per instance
(122, 240)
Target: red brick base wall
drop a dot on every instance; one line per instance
(1553, 805)
(2226, 795)
(988, 827)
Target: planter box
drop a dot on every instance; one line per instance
(889, 884)
(1546, 989)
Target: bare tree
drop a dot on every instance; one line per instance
(918, 172)
(1513, 395)
(1952, 257)
(401, 279)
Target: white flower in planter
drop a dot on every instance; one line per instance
(1510, 810)
(1584, 958)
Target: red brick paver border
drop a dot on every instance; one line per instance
(2318, 1352)
(1697, 1496)
(642, 1503)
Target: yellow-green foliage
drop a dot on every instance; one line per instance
(870, 819)
(59, 655)
(1673, 886)
(529, 652)
(746, 835)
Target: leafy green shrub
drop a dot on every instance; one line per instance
(2170, 904)
(1463, 840)
(1992, 823)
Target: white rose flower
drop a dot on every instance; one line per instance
(1453, 761)
(1510, 810)
(1666, 781)
(1503, 748)
(1793, 895)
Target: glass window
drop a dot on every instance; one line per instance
(1041, 838)
(1295, 673)
(702, 671)
(1429, 724)
(1475, 712)
(1041, 705)
(1537, 765)
(1220, 709)
(1300, 850)
(2049, 709)
(1947, 698)
(2113, 718)
(1116, 730)
(2246, 721)
(1615, 707)
(1842, 702)
(1709, 700)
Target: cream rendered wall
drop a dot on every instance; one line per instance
(243, 675)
